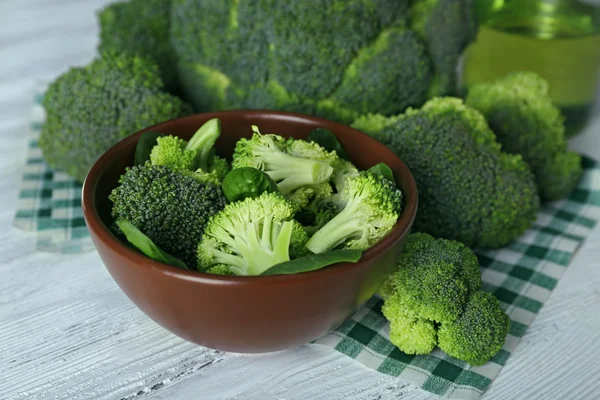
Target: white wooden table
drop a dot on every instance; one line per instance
(68, 332)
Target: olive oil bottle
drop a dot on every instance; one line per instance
(559, 40)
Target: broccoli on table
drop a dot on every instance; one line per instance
(89, 109)
(520, 111)
(196, 155)
(371, 207)
(169, 207)
(435, 298)
(469, 190)
(268, 153)
(251, 235)
(140, 27)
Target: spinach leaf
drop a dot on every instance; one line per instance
(384, 171)
(245, 182)
(146, 245)
(327, 139)
(144, 147)
(314, 262)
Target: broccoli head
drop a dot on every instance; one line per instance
(170, 208)
(268, 153)
(469, 190)
(123, 94)
(140, 27)
(447, 27)
(520, 111)
(435, 298)
(371, 207)
(251, 235)
(479, 333)
(349, 58)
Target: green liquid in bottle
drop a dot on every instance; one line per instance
(559, 40)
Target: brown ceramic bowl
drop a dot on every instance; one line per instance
(246, 314)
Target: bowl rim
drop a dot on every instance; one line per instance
(109, 239)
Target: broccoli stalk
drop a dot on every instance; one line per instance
(252, 235)
(371, 209)
(203, 143)
(267, 153)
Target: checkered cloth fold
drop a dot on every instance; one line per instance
(521, 275)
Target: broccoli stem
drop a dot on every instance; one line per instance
(203, 142)
(342, 227)
(291, 172)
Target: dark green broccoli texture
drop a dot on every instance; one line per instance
(333, 58)
(169, 207)
(469, 190)
(435, 299)
(90, 109)
(521, 113)
(141, 27)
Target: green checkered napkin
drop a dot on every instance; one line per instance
(49, 202)
(522, 276)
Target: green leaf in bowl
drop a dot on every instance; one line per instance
(313, 262)
(327, 139)
(144, 147)
(384, 171)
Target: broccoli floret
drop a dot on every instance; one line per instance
(267, 153)
(469, 190)
(140, 27)
(447, 27)
(170, 208)
(351, 57)
(251, 235)
(219, 269)
(435, 298)
(123, 94)
(479, 333)
(170, 152)
(304, 195)
(371, 209)
(520, 111)
(298, 241)
(342, 170)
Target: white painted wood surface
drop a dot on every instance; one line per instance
(67, 332)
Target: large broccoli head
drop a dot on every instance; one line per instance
(169, 207)
(90, 109)
(333, 58)
(520, 111)
(469, 190)
(140, 27)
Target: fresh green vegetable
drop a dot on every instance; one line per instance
(469, 190)
(146, 245)
(435, 298)
(144, 147)
(371, 207)
(327, 139)
(219, 269)
(197, 154)
(123, 94)
(252, 235)
(313, 262)
(140, 27)
(171, 208)
(268, 153)
(335, 58)
(245, 182)
(521, 113)
(384, 171)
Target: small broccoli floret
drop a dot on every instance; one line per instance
(251, 235)
(469, 190)
(435, 297)
(170, 208)
(479, 333)
(219, 269)
(140, 27)
(220, 167)
(170, 152)
(298, 241)
(123, 94)
(302, 196)
(342, 170)
(520, 111)
(371, 209)
(267, 153)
